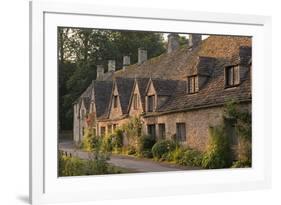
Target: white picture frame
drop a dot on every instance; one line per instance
(46, 187)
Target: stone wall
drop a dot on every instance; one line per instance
(139, 110)
(197, 124)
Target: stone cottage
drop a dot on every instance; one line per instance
(180, 93)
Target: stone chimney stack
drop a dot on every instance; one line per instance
(100, 72)
(173, 42)
(142, 55)
(194, 40)
(111, 66)
(126, 61)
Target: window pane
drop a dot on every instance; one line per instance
(193, 84)
(102, 131)
(183, 137)
(236, 75)
(150, 103)
(151, 130)
(181, 132)
(229, 76)
(161, 131)
(115, 101)
(196, 84)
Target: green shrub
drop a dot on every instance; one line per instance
(90, 141)
(191, 157)
(107, 144)
(145, 144)
(117, 139)
(162, 148)
(176, 155)
(219, 153)
(242, 164)
(73, 166)
(243, 130)
(98, 165)
(70, 166)
(131, 150)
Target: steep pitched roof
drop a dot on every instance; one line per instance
(215, 52)
(102, 92)
(142, 84)
(85, 96)
(87, 102)
(124, 87)
(164, 87)
(214, 93)
(177, 64)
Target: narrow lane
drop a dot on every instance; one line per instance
(139, 165)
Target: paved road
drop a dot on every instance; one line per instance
(139, 165)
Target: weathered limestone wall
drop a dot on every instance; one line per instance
(197, 124)
(132, 111)
(115, 111)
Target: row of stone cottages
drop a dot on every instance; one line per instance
(179, 94)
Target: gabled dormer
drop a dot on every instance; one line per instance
(238, 68)
(120, 97)
(137, 99)
(84, 109)
(115, 105)
(150, 97)
(199, 74)
(158, 92)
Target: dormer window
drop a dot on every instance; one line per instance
(115, 98)
(192, 84)
(232, 77)
(150, 103)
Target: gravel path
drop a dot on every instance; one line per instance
(139, 165)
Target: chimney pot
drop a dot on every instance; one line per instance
(126, 61)
(173, 42)
(194, 40)
(100, 72)
(142, 55)
(111, 66)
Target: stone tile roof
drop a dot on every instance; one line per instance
(169, 71)
(87, 102)
(142, 84)
(181, 62)
(214, 93)
(102, 92)
(124, 87)
(164, 87)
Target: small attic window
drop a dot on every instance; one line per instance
(150, 103)
(192, 82)
(115, 98)
(232, 77)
